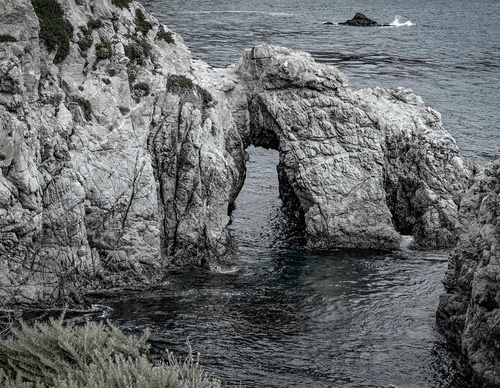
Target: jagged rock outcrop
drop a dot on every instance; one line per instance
(121, 156)
(361, 20)
(469, 309)
(114, 162)
(364, 166)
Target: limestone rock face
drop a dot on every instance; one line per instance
(469, 309)
(113, 165)
(364, 166)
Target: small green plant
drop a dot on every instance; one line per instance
(81, 88)
(138, 50)
(55, 30)
(85, 43)
(132, 73)
(107, 81)
(7, 38)
(87, 108)
(141, 23)
(142, 88)
(95, 24)
(122, 3)
(92, 355)
(205, 94)
(179, 82)
(103, 50)
(167, 36)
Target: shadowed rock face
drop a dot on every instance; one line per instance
(469, 309)
(126, 157)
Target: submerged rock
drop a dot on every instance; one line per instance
(469, 309)
(121, 156)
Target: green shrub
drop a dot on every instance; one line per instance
(7, 38)
(167, 36)
(85, 43)
(205, 94)
(122, 3)
(55, 30)
(138, 50)
(179, 81)
(87, 108)
(93, 355)
(107, 81)
(94, 24)
(103, 50)
(141, 23)
(142, 88)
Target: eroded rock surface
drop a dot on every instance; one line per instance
(365, 166)
(115, 163)
(469, 310)
(125, 156)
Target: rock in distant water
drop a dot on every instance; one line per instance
(121, 156)
(364, 166)
(469, 309)
(360, 20)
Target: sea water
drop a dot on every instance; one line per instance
(282, 316)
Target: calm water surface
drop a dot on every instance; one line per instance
(281, 316)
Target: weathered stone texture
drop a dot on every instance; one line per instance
(469, 309)
(127, 156)
(364, 165)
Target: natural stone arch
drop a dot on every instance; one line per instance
(363, 166)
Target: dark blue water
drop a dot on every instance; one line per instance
(281, 316)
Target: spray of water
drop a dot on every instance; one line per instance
(397, 23)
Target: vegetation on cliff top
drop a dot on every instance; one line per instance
(93, 355)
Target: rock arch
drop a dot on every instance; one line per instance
(362, 166)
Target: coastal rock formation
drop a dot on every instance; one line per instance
(121, 156)
(363, 166)
(114, 161)
(469, 309)
(360, 20)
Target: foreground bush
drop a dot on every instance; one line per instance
(94, 355)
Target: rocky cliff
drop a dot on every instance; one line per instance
(469, 310)
(121, 156)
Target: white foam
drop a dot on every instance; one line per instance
(396, 23)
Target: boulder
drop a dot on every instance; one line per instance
(360, 20)
(469, 309)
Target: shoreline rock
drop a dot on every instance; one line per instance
(364, 166)
(125, 157)
(469, 309)
(361, 20)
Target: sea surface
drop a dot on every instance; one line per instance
(280, 315)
